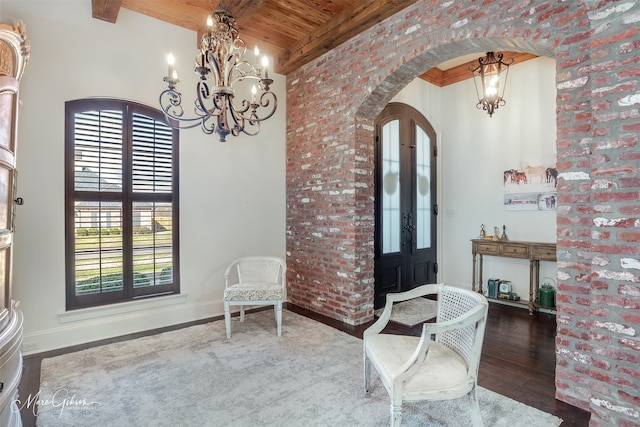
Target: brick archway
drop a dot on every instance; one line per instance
(382, 94)
(331, 106)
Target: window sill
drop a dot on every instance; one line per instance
(120, 308)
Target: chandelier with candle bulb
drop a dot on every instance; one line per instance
(222, 72)
(490, 78)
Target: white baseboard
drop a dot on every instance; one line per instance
(98, 323)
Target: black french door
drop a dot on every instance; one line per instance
(406, 209)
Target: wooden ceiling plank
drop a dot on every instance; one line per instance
(314, 15)
(264, 35)
(106, 10)
(331, 7)
(353, 20)
(242, 10)
(277, 22)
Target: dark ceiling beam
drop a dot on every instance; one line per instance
(353, 20)
(106, 10)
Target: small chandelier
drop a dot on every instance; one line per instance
(492, 73)
(222, 71)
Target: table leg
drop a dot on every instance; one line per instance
(473, 275)
(532, 266)
(480, 275)
(537, 282)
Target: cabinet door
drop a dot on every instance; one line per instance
(8, 123)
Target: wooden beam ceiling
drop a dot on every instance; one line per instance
(353, 20)
(106, 10)
(297, 31)
(294, 32)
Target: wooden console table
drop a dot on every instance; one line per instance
(533, 251)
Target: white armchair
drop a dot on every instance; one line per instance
(442, 363)
(255, 280)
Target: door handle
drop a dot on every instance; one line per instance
(409, 226)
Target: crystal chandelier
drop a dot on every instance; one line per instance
(490, 76)
(222, 70)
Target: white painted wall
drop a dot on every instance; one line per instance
(232, 196)
(474, 150)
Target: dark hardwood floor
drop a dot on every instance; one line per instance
(518, 359)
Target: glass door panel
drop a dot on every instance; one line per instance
(423, 189)
(391, 187)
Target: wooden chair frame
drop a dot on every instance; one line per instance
(403, 363)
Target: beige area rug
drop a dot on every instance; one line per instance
(413, 311)
(312, 376)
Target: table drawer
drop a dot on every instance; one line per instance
(515, 251)
(544, 253)
(488, 248)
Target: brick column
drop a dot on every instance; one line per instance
(332, 104)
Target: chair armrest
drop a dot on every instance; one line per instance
(429, 329)
(408, 368)
(420, 291)
(392, 298)
(379, 324)
(227, 272)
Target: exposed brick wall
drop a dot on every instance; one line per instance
(333, 101)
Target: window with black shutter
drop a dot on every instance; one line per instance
(121, 184)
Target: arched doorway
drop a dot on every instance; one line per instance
(405, 201)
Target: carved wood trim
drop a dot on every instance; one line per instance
(457, 74)
(6, 60)
(14, 49)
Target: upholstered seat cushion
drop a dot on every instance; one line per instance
(254, 291)
(443, 370)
